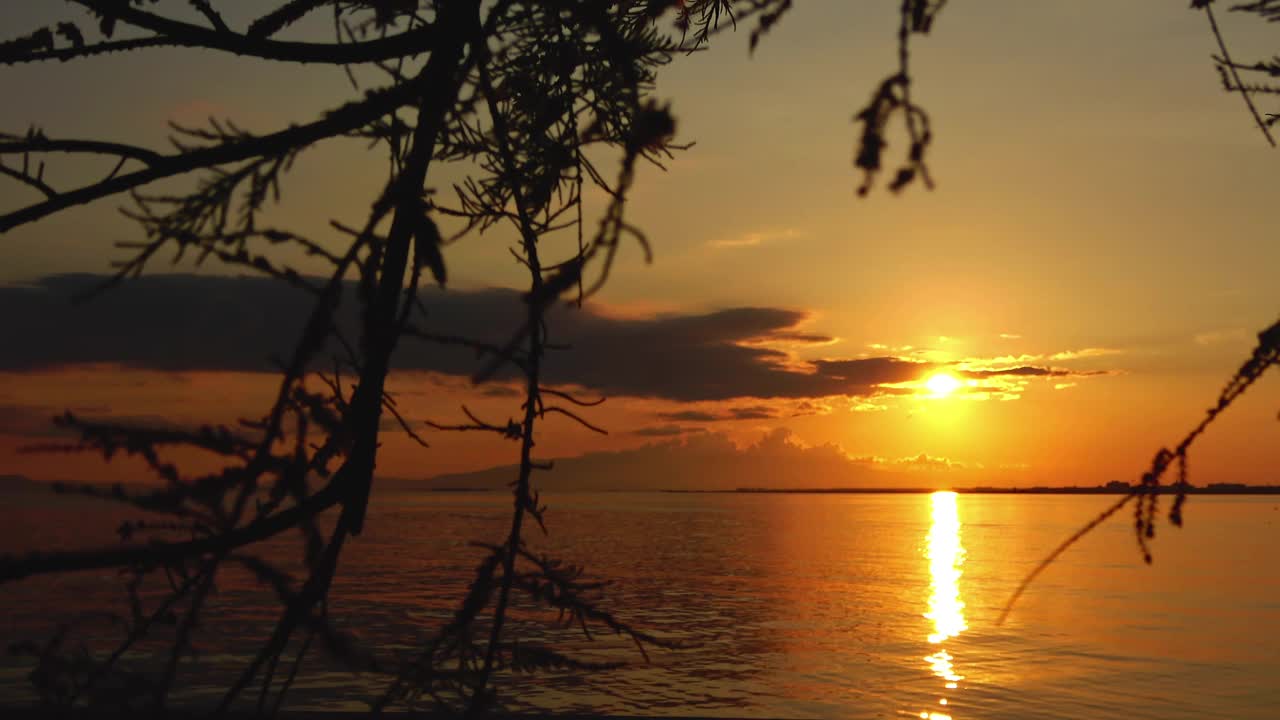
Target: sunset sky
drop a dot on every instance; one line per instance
(1094, 264)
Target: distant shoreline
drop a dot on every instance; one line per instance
(1220, 489)
(1162, 490)
(16, 484)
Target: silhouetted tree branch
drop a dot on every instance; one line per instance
(1147, 492)
(1230, 70)
(479, 93)
(1267, 353)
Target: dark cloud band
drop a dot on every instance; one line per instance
(189, 322)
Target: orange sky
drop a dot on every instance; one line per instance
(1103, 215)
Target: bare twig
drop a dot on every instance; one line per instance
(1235, 74)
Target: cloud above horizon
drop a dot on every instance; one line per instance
(182, 322)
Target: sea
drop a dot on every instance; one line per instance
(778, 605)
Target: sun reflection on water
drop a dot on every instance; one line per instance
(946, 610)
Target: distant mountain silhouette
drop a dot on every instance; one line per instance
(20, 484)
(709, 462)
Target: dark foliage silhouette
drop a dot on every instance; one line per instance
(518, 94)
(1230, 70)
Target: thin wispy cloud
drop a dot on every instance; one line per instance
(1084, 353)
(922, 461)
(1218, 337)
(756, 238)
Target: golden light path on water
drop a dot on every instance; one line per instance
(946, 610)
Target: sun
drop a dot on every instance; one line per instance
(942, 384)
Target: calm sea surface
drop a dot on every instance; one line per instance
(792, 606)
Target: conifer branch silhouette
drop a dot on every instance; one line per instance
(420, 115)
(1230, 70)
(335, 123)
(1146, 494)
(174, 33)
(1266, 354)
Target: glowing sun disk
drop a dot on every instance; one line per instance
(942, 384)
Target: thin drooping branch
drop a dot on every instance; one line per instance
(1266, 354)
(575, 417)
(389, 405)
(478, 346)
(1232, 68)
(573, 398)
(511, 430)
(26, 178)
